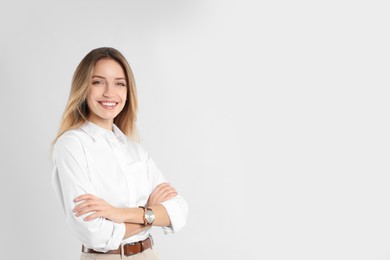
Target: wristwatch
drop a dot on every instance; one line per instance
(149, 216)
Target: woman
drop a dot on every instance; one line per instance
(109, 188)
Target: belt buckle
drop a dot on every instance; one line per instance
(132, 244)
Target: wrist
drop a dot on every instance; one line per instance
(133, 215)
(123, 214)
(148, 216)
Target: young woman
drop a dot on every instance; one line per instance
(109, 187)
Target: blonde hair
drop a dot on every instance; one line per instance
(76, 111)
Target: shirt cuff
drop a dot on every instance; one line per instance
(177, 211)
(118, 233)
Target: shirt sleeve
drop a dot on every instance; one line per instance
(70, 179)
(176, 207)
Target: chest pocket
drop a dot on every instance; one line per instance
(138, 181)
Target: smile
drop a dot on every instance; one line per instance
(108, 105)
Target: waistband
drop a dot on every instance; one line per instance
(128, 249)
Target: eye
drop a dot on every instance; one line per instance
(121, 84)
(97, 82)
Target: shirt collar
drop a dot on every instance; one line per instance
(96, 131)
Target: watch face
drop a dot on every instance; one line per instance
(149, 216)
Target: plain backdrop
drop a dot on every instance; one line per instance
(271, 118)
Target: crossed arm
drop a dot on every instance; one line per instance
(132, 217)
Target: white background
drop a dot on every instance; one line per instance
(271, 118)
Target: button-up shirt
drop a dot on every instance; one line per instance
(109, 165)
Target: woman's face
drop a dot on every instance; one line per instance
(107, 93)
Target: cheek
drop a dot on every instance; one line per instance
(123, 95)
(90, 101)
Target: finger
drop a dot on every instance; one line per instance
(81, 206)
(87, 210)
(158, 199)
(161, 186)
(165, 189)
(92, 216)
(168, 195)
(85, 204)
(160, 189)
(85, 197)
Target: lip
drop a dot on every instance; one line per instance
(108, 101)
(108, 107)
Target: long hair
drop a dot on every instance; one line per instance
(76, 111)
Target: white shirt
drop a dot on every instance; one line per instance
(107, 164)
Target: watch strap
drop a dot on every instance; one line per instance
(143, 216)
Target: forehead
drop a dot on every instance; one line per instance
(108, 68)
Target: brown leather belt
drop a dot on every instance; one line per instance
(128, 249)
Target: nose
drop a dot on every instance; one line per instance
(108, 91)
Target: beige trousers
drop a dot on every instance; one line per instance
(148, 254)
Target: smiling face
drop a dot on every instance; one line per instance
(107, 93)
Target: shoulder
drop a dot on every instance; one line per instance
(69, 151)
(71, 141)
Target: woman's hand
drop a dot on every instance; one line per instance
(161, 193)
(100, 207)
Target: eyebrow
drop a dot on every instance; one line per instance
(101, 77)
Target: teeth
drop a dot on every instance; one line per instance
(108, 104)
